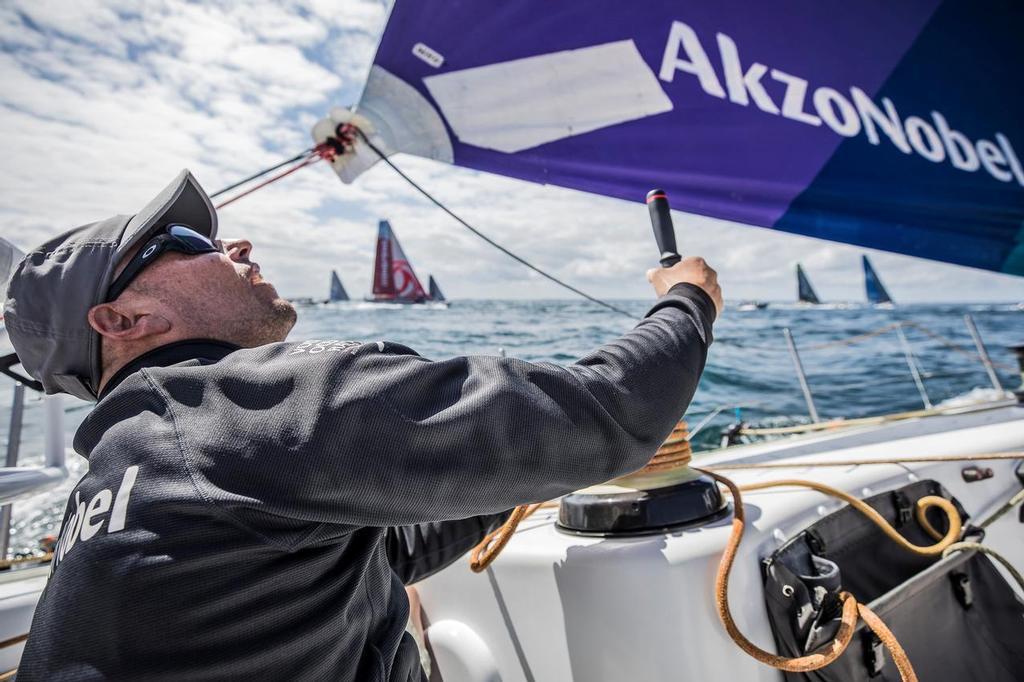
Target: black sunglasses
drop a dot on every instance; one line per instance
(175, 237)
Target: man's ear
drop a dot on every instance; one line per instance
(121, 323)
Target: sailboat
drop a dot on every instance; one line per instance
(804, 291)
(889, 149)
(394, 280)
(338, 292)
(873, 286)
(435, 290)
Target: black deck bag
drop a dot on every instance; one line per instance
(957, 618)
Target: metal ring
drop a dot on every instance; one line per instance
(788, 591)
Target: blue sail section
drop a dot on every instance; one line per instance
(873, 287)
(895, 126)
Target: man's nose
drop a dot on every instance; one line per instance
(237, 250)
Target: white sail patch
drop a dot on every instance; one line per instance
(519, 104)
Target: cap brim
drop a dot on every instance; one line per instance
(182, 201)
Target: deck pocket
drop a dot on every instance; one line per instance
(957, 618)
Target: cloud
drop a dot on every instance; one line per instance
(103, 102)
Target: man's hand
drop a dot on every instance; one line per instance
(693, 270)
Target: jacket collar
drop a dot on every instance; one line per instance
(171, 354)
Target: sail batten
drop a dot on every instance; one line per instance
(903, 147)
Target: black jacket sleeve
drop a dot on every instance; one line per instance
(374, 435)
(418, 551)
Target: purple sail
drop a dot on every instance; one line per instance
(896, 126)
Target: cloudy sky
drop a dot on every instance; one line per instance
(103, 102)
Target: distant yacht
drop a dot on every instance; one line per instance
(394, 280)
(435, 290)
(873, 286)
(805, 292)
(338, 292)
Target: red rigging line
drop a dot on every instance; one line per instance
(306, 158)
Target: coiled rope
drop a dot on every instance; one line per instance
(851, 607)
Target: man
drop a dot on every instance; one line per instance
(253, 507)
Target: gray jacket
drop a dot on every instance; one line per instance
(252, 514)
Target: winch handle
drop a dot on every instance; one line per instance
(664, 232)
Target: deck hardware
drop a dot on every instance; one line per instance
(962, 588)
(1019, 352)
(815, 542)
(974, 474)
(904, 508)
(874, 654)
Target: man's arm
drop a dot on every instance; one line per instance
(376, 435)
(418, 551)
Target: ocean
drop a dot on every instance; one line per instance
(853, 358)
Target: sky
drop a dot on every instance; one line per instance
(103, 103)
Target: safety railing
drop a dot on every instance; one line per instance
(739, 429)
(19, 481)
(981, 355)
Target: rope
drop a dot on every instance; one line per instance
(13, 640)
(985, 549)
(923, 505)
(484, 554)
(859, 462)
(480, 234)
(852, 340)
(311, 159)
(952, 345)
(998, 514)
(851, 608)
(263, 172)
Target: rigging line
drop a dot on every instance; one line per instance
(313, 158)
(263, 172)
(487, 239)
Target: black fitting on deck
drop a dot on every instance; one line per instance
(1019, 352)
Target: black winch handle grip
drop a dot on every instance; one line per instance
(664, 232)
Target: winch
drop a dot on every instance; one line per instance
(666, 494)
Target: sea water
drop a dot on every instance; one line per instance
(852, 355)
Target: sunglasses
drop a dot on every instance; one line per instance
(175, 237)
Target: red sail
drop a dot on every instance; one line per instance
(393, 276)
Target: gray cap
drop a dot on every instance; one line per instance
(51, 292)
